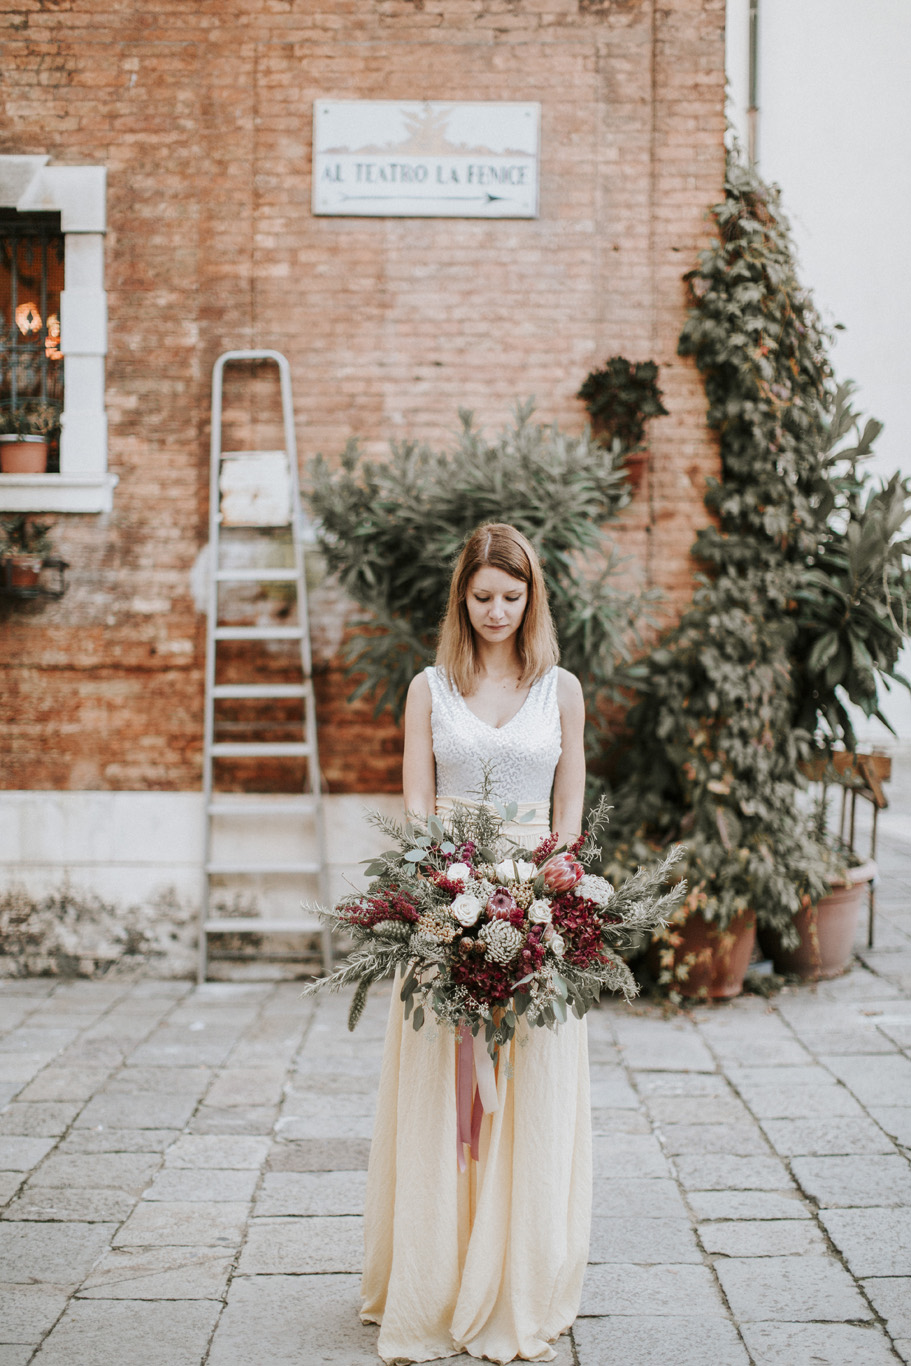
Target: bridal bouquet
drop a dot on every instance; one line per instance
(486, 931)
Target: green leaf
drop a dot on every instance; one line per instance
(418, 1018)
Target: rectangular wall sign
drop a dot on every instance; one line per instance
(411, 159)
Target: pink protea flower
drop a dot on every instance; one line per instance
(501, 905)
(561, 873)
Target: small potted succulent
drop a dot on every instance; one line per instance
(24, 546)
(25, 435)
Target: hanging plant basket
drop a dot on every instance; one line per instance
(23, 454)
(827, 930)
(704, 961)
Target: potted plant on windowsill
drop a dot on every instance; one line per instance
(801, 610)
(25, 436)
(24, 547)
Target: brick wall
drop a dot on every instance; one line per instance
(202, 115)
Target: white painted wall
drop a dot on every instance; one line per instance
(129, 848)
(834, 120)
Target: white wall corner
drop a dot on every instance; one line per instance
(84, 322)
(83, 443)
(16, 175)
(78, 192)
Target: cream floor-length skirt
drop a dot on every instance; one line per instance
(488, 1261)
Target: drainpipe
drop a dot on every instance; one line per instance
(753, 105)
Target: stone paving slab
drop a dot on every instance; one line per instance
(187, 1222)
(102, 1140)
(790, 1289)
(831, 1344)
(287, 1320)
(873, 1242)
(59, 1204)
(626, 1288)
(111, 1332)
(761, 1237)
(51, 1254)
(276, 1246)
(38, 1119)
(855, 1181)
(159, 1273)
(30, 1311)
(200, 1184)
(312, 1193)
(826, 1137)
(891, 1298)
(643, 1241)
(751, 1206)
(649, 1340)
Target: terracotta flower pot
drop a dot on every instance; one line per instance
(717, 960)
(23, 454)
(827, 931)
(22, 571)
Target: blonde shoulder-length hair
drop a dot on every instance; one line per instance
(502, 547)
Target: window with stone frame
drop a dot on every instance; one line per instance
(32, 189)
(31, 358)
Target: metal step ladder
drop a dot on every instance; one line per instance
(225, 810)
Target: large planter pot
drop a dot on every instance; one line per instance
(827, 931)
(23, 454)
(21, 570)
(717, 960)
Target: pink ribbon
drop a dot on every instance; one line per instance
(476, 1091)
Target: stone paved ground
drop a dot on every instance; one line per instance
(182, 1171)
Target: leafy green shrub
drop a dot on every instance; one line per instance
(803, 605)
(391, 529)
(621, 397)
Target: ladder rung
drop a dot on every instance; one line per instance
(251, 924)
(258, 633)
(223, 869)
(253, 749)
(262, 690)
(248, 806)
(235, 455)
(256, 575)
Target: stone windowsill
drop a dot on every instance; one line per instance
(57, 492)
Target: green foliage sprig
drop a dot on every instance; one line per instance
(391, 530)
(32, 418)
(23, 534)
(804, 602)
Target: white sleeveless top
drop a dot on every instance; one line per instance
(521, 756)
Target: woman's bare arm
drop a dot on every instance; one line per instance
(418, 769)
(569, 779)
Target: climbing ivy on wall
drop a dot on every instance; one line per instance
(803, 595)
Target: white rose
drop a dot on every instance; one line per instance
(556, 945)
(458, 872)
(466, 909)
(539, 912)
(515, 870)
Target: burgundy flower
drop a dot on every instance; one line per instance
(561, 873)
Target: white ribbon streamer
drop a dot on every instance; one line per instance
(487, 1077)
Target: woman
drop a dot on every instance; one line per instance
(487, 1261)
